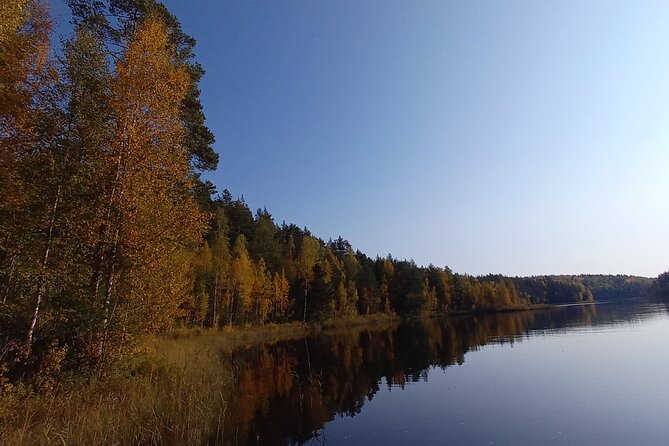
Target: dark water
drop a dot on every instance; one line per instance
(581, 375)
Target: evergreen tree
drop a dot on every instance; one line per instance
(321, 295)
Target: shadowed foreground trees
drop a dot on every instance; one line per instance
(98, 220)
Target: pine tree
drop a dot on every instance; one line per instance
(116, 22)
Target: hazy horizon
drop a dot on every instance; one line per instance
(520, 138)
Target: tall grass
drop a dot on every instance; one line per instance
(178, 394)
(175, 396)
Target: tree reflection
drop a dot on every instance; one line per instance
(286, 392)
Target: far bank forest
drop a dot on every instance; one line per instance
(108, 233)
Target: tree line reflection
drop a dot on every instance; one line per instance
(286, 392)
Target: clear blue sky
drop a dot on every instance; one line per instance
(518, 137)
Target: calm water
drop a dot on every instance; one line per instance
(581, 375)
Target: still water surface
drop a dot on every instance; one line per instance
(580, 375)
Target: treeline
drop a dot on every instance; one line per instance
(585, 287)
(610, 287)
(252, 271)
(660, 287)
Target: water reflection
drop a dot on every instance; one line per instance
(285, 393)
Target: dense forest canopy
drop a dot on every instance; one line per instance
(252, 270)
(107, 231)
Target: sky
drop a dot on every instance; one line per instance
(518, 137)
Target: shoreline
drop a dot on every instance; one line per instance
(234, 337)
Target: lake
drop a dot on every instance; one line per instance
(573, 375)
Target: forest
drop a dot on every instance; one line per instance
(108, 233)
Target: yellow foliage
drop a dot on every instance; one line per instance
(24, 46)
(152, 216)
(12, 17)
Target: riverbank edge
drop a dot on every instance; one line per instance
(233, 337)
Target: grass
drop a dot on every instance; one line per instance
(380, 320)
(230, 338)
(174, 396)
(177, 394)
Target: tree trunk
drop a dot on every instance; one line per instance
(214, 316)
(108, 311)
(304, 315)
(10, 277)
(108, 256)
(232, 308)
(45, 261)
(105, 322)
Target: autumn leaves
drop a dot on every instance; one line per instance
(97, 216)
